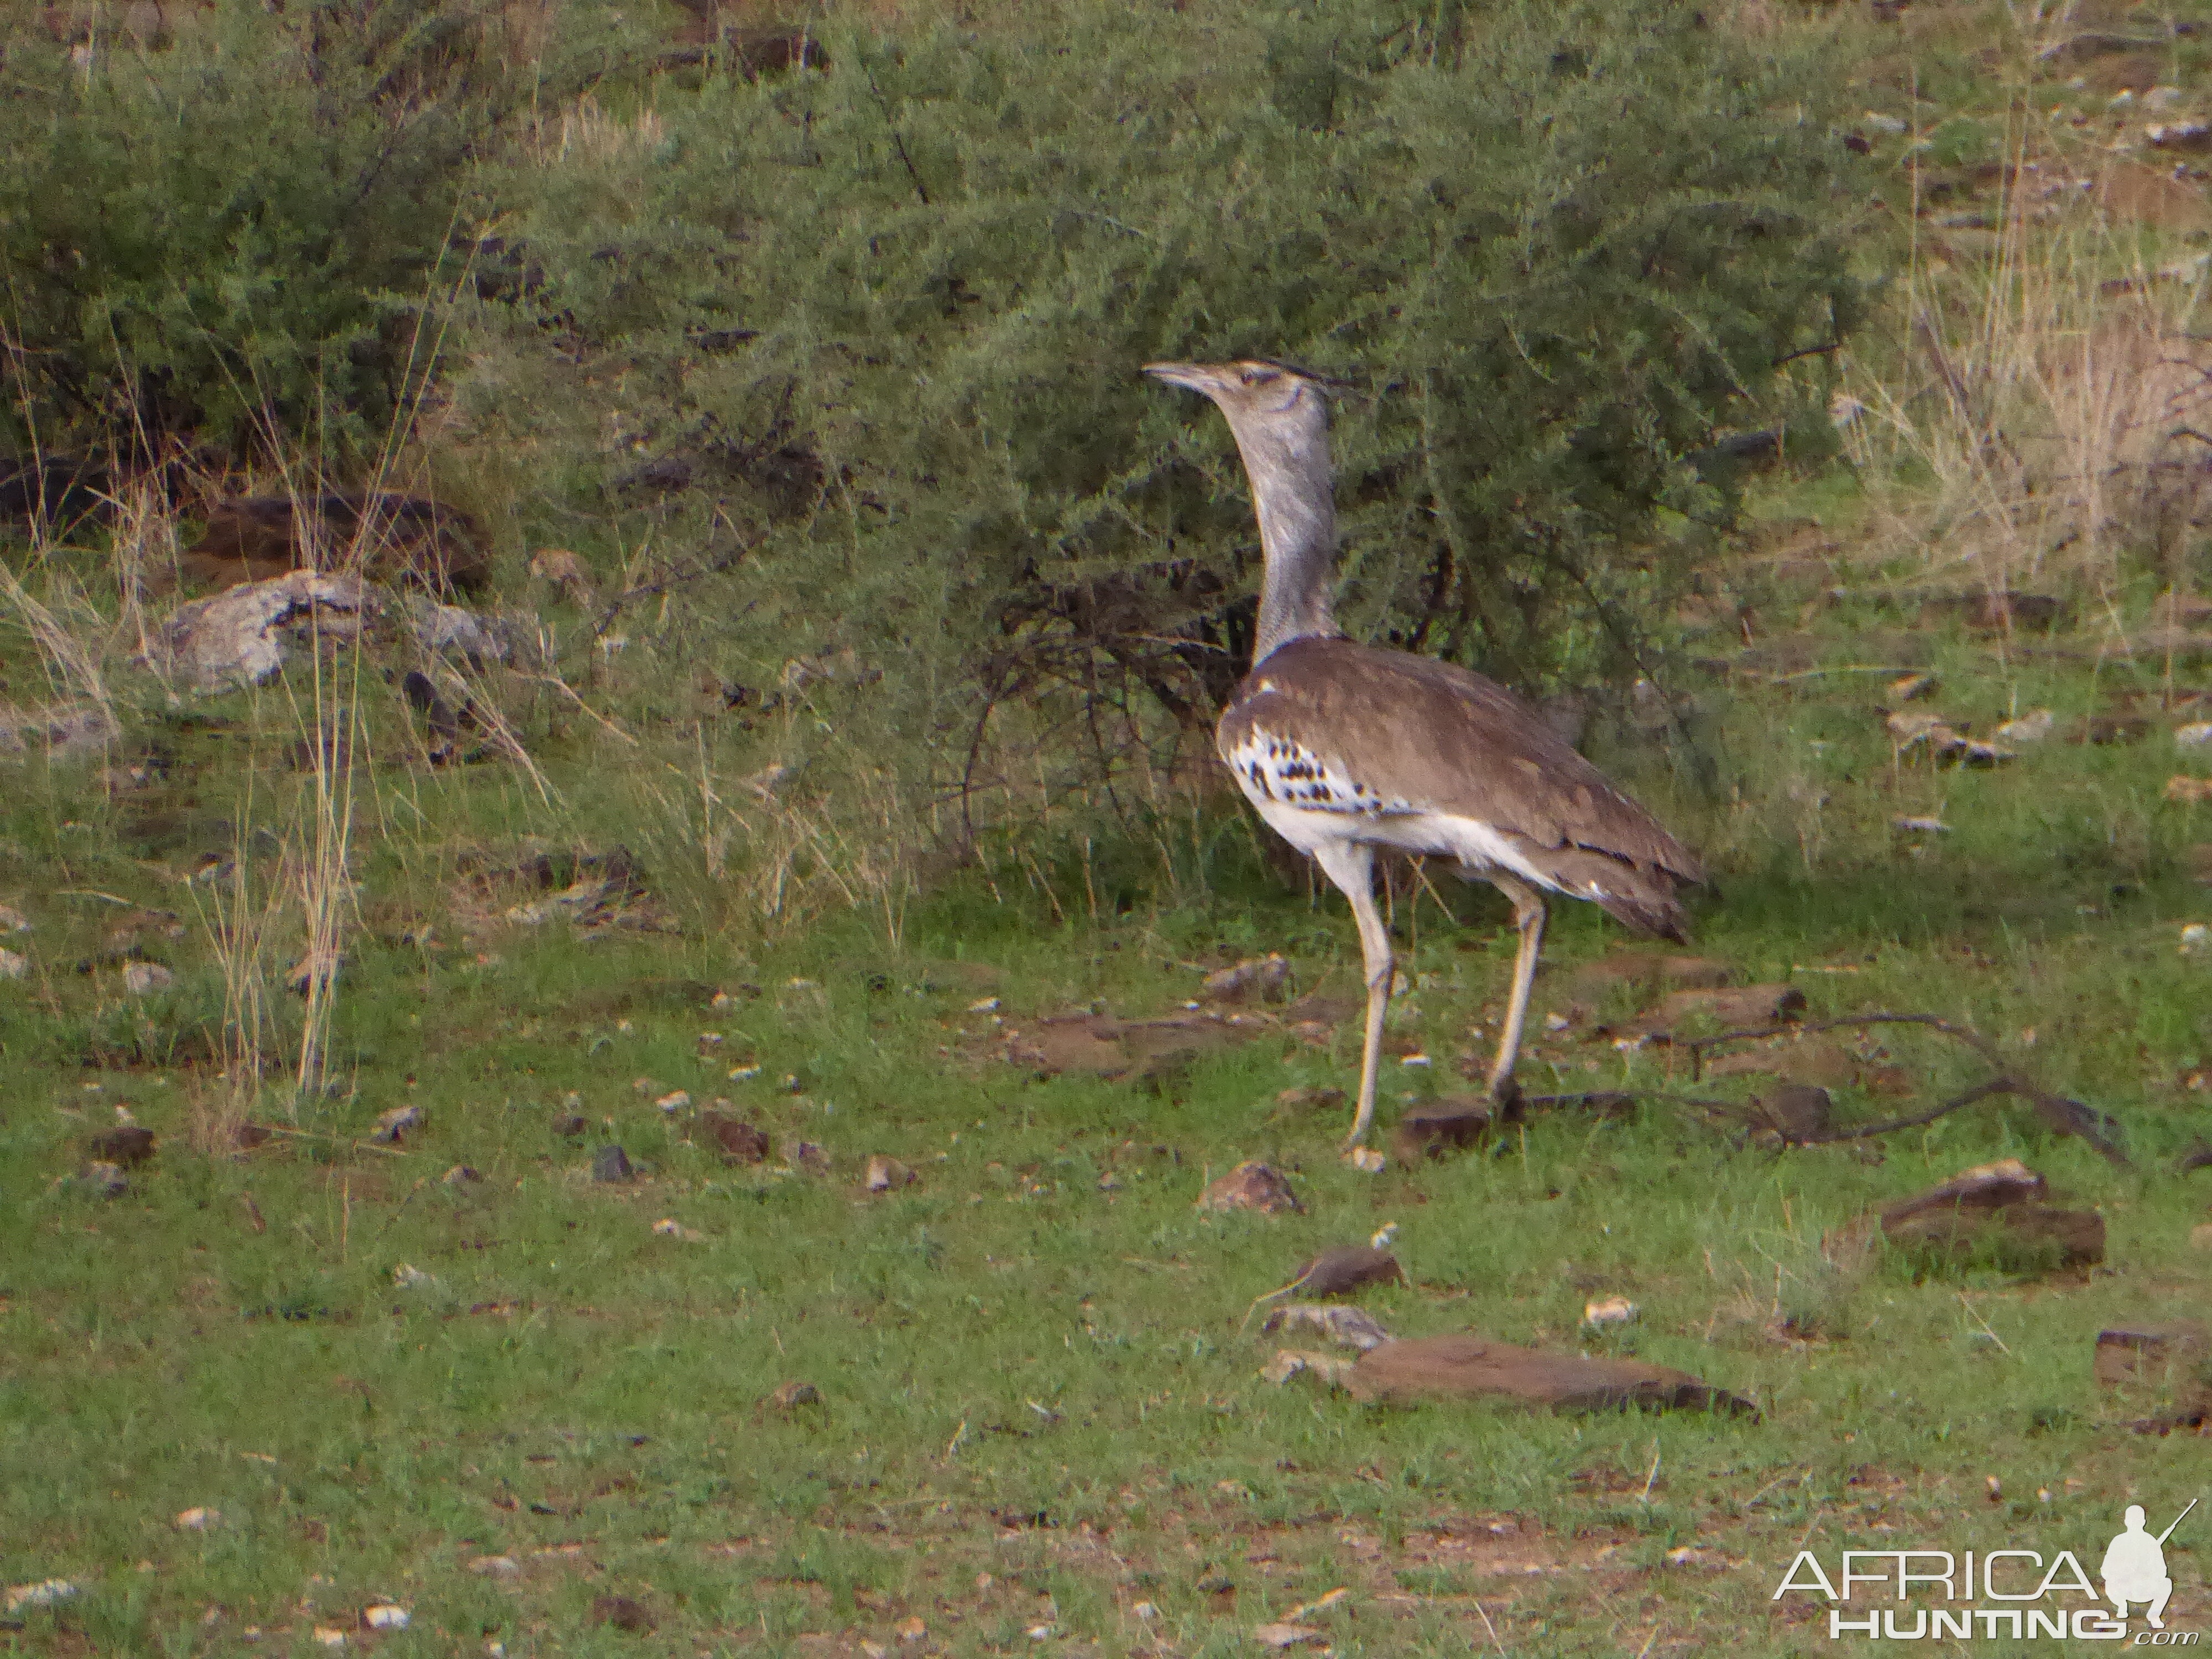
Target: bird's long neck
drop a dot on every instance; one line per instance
(1294, 497)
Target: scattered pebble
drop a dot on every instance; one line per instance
(1612, 1311)
(103, 1179)
(1279, 1637)
(621, 1613)
(495, 1566)
(1417, 1058)
(13, 920)
(197, 1519)
(1347, 1327)
(1146, 1610)
(910, 1629)
(2195, 735)
(1368, 1161)
(1251, 1185)
(669, 1227)
(411, 1278)
(2197, 940)
(1262, 977)
(2188, 790)
(1920, 826)
(383, 1615)
(14, 964)
(984, 1005)
(463, 1175)
(391, 1127)
(612, 1164)
(674, 1102)
(329, 1636)
(2030, 727)
(49, 1592)
(886, 1173)
(744, 1073)
(806, 1155)
(144, 979)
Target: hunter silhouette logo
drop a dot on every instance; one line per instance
(1913, 1593)
(2135, 1567)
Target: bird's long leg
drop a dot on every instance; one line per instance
(1351, 865)
(1528, 921)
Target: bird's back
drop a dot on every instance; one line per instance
(1410, 751)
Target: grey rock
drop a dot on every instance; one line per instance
(612, 1164)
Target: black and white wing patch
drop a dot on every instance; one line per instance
(1278, 770)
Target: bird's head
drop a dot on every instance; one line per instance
(1270, 405)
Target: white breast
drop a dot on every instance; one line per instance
(1311, 801)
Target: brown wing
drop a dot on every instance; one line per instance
(1417, 734)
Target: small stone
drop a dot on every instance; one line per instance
(1256, 978)
(2195, 941)
(14, 964)
(127, 1146)
(463, 1175)
(1251, 1185)
(411, 1278)
(1612, 1311)
(1276, 1637)
(391, 1127)
(2197, 734)
(669, 1227)
(887, 1173)
(1912, 826)
(984, 1005)
(104, 1179)
(910, 1629)
(1452, 1124)
(1348, 1328)
(674, 1102)
(807, 1155)
(329, 1636)
(383, 1615)
(1146, 1610)
(610, 1164)
(13, 920)
(621, 1613)
(197, 1519)
(144, 979)
(2030, 727)
(570, 1125)
(2188, 790)
(47, 1592)
(495, 1566)
(1367, 1160)
(1913, 686)
(740, 1142)
(1336, 1272)
(790, 1395)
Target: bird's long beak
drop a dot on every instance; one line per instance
(1192, 377)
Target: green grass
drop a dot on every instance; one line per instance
(1039, 1404)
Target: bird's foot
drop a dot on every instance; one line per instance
(1505, 1094)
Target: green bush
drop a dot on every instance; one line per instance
(230, 233)
(879, 327)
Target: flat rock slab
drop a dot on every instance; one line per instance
(2151, 1353)
(1984, 1187)
(1647, 969)
(1251, 1185)
(1138, 1050)
(1469, 1367)
(1728, 1008)
(1341, 1271)
(1997, 1207)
